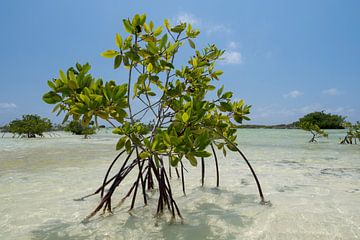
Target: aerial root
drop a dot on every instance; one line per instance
(149, 174)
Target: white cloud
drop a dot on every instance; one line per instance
(188, 18)
(233, 45)
(232, 57)
(219, 28)
(7, 105)
(197, 22)
(331, 92)
(293, 94)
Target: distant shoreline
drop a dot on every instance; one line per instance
(278, 126)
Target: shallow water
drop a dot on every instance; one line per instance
(314, 190)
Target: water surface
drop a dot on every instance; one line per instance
(314, 190)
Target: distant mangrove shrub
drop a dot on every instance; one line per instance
(324, 120)
(29, 126)
(314, 129)
(75, 127)
(353, 133)
(188, 125)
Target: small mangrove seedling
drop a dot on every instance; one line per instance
(353, 133)
(75, 127)
(313, 128)
(186, 123)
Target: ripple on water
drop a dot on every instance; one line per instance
(341, 172)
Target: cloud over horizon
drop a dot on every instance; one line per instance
(331, 92)
(232, 55)
(219, 28)
(293, 94)
(187, 18)
(5, 105)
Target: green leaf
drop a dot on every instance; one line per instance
(191, 159)
(147, 143)
(202, 154)
(109, 53)
(72, 75)
(155, 143)
(51, 85)
(72, 84)
(121, 143)
(225, 107)
(66, 118)
(144, 155)
(57, 106)
(142, 19)
(202, 141)
(127, 25)
(118, 40)
(194, 62)
(166, 24)
(85, 99)
(51, 98)
(167, 139)
(185, 117)
(172, 47)
(211, 87)
(218, 72)
(174, 161)
(128, 146)
(227, 95)
(219, 92)
(179, 28)
(117, 61)
(63, 76)
(238, 118)
(149, 67)
(231, 147)
(136, 20)
(147, 28)
(158, 31)
(163, 41)
(192, 44)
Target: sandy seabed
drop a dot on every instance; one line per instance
(314, 190)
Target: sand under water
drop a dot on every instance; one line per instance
(314, 190)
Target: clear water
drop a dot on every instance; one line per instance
(314, 190)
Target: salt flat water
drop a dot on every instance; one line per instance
(314, 190)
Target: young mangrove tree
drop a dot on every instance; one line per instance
(313, 128)
(187, 124)
(353, 133)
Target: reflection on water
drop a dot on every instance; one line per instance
(314, 190)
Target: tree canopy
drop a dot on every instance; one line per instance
(324, 120)
(30, 126)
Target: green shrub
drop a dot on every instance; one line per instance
(30, 126)
(75, 127)
(324, 120)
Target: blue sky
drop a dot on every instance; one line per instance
(286, 58)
